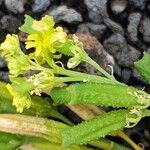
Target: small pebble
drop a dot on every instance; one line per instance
(124, 54)
(145, 29)
(1, 1)
(132, 29)
(117, 70)
(97, 9)
(118, 6)
(2, 62)
(15, 6)
(125, 75)
(114, 26)
(139, 4)
(40, 6)
(63, 13)
(4, 76)
(93, 29)
(10, 23)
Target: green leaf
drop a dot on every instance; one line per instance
(64, 48)
(40, 106)
(143, 66)
(42, 144)
(98, 127)
(9, 141)
(27, 26)
(97, 94)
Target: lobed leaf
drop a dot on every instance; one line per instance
(97, 94)
(27, 26)
(98, 127)
(143, 66)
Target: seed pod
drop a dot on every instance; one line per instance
(101, 95)
(98, 127)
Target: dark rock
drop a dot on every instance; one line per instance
(97, 9)
(118, 6)
(10, 23)
(117, 46)
(4, 76)
(93, 29)
(125, 75)
(63, 13)
(39, 6)
(2, 63)
(115, 27)
(145, 29)
(1, 1)
(15, 6)
(148, 50)
(96, 51)
(139, 4)
(132, 29)
(117, 70)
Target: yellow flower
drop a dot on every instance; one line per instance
(46, 23)
(18, 65)
(45, 39)
(21, 101)
(10, 46)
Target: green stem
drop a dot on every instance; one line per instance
(78, 76)
(102, 144)
(146, 113)
(90, 61)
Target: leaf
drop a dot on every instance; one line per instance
(96, 94)
(31, 126)
(98, 127)
(143, 66)
(39, 107)
(27, 26)
(9, 141)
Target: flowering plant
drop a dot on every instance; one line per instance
(41, 70)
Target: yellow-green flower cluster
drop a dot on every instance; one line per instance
(17, 61)
(20, 91)
(43, 81)
(44, 38)
(47, 42)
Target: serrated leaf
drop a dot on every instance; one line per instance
(98, 127)
(143, 66)
(27, 26)
(96, 94)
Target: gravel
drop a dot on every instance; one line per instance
(93, 29)
(118, 47)
(40, 6)
(63, 13)
(10, 23)
(138, 4)
(96, 10)
(145, 29)
(132, 29)
(118, 6)
(15, 6)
